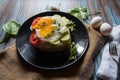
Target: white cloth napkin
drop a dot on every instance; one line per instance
(108, 68)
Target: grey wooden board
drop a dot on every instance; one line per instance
(21, 10)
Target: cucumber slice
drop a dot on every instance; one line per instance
(56, 43)
(65, 38)
(57, 16)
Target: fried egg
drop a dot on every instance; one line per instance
(50, 28)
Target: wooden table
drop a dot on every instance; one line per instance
(21, 10)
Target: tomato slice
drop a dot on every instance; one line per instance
(35, 21)
(34, 40)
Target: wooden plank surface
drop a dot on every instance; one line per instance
(21, 10)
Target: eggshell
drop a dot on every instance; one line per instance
(96, 22)
(105, 29)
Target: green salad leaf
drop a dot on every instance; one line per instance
(9, 29)
(71, 25)
(80, 12)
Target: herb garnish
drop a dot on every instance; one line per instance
(43, 24)
(73, 52)
(71, 25)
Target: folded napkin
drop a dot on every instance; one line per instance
(108, 68)
(12, 67)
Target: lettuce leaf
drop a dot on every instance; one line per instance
(8, 30)
(11, 27)
(80, 12)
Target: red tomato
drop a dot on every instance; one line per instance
(34, 40)
(35, 21)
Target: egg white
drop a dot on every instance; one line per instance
(59, 30)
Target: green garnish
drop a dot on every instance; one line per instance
(73, 52)
(58, 24)
(60, 32)
(71, 25)
(54, 22)
(43, 24)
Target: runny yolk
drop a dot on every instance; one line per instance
(47, 31)
(45, 26)
(45, 22)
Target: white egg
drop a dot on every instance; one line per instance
(57, 34)
(106, 29)
(96, 22)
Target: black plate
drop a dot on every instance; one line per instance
(45, 60)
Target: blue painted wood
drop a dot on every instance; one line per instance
(97, 64)
(110, 14)
(21, 10)
(112, 11)
(85, 4)
(0, 1)
(117, 18)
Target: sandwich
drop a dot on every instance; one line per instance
(51, 33)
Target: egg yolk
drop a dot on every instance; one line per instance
(45, 26)
(47, 31)
(45, 22)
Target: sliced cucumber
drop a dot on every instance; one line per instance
(56, 43)
(65, 38)
(57, 16)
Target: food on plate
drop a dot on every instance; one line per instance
(96, 22)
(105, 29)
(51, 33)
